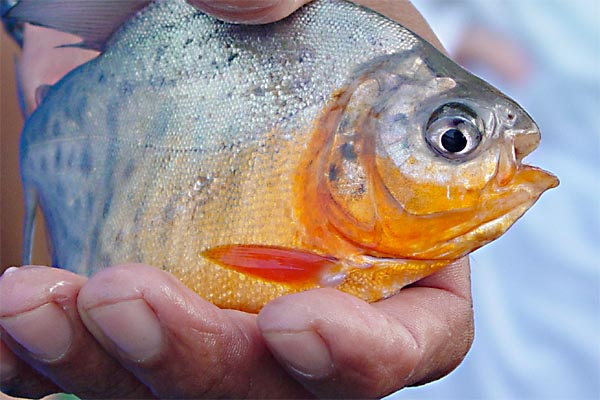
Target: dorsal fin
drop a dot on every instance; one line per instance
(93, 20)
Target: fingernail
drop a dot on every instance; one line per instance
(61, 396)
(234, 5)
(304, 352)
(132, 326)
(45, 331)
(10, 270)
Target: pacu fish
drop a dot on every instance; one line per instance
(334, 148)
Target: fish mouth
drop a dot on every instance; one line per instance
(500, 208)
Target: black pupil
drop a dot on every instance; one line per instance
(453, 141)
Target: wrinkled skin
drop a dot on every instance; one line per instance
(64, 332)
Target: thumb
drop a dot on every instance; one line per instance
(248, 11)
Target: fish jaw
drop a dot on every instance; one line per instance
(514, 189)
(500, 208)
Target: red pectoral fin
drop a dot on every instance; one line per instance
(275, 264)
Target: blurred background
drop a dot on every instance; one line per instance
(537, 289)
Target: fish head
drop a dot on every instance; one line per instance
(439, 157)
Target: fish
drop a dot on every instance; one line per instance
(334, 148)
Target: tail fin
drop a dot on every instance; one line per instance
(31, 202)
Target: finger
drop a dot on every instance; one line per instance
(18, 378)
(339, 346)
(46, 59)
(41, 325)
(249, 11)
(438, 311)
(165, 334)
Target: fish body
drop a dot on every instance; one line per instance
(333, 148)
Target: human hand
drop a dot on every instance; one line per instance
(135, 331)
(411, 338)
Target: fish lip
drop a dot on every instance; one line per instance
(535, 179)
(521, 193)
(511, 202)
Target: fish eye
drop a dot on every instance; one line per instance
(454, 131)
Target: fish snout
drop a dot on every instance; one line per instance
(521, 137)
(525, 141)
(523, 132)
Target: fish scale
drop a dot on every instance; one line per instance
(210, 112)
(188, 133)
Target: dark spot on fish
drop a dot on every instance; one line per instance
(119, 237)
(126, 88)
(112, 112)
(89, 204)
(101, 77)
(258, 91)
(348, 152)
(137, 218)
(106, 208)
(344, 126)
(80, 110)
(188, 42)
(232, 57)
(71, 159)
(300, 59)
(56, 130)
(59, 189)
(361, 190)
(399, 118)
(43, 164)
(57, 157)
(160, 52)
(157, 83)
(129, 169)
(44, 121)
(76, 207)
(333, 172)
(105, 260)
(85, 164)
(67, 90)
(169, 208)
